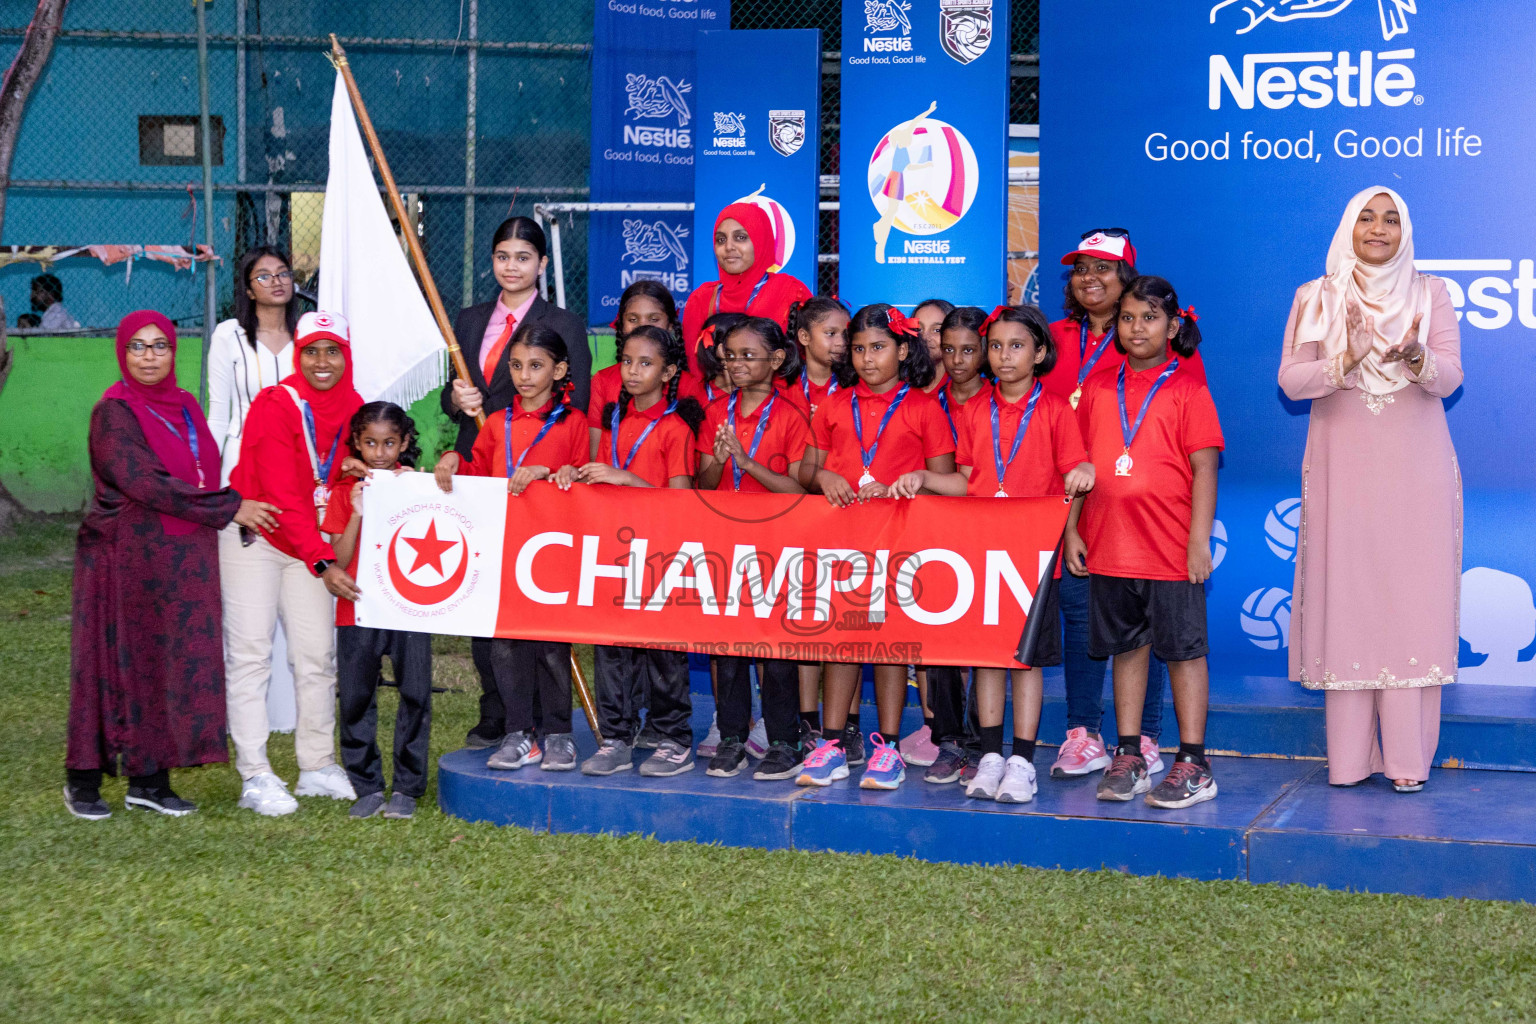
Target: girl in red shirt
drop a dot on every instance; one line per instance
(648, 439)
(1019, 441)
(930, 314)
(643, 304)
(1143, 537)
(819, 326)
(878, 427)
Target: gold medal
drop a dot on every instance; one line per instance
(1077, 396)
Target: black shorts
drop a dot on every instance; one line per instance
(1048, 648)
(1125, 615)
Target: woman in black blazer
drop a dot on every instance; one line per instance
(517, 258)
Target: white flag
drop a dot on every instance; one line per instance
(397, 348)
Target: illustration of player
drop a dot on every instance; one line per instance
(893, 192)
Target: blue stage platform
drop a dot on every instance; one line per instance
(1469, 834)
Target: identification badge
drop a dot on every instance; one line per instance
(865, 480)
(1077, 396)
(1000, 493)
(1123, 464)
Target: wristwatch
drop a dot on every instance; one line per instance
(321, 564)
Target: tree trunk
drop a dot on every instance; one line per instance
(22, 75)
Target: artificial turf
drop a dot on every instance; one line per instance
(227, 917)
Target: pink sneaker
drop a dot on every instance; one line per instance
(919, 749)
(1150, 754)
(1080, 754)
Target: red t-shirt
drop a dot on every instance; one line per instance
(954, 409)
(566, 444)
(338, 513)
(917, 432)
(1062, 380)
(668, 450)
(811, 394)
(784, 438)
(1051, 448)
(609, 381)
(1137, 526)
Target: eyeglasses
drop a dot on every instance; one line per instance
(138, 348)
(1111, 232)
(286, 276)
(731, 357)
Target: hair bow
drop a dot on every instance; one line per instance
(707, 336)
(1188, 313)
(900, 323)
(992, 318)
(615, 324)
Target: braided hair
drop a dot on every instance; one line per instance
(916, 370)
(536, 334)
(657, 293)
(396, 417)
(808, 313)
(671, 348)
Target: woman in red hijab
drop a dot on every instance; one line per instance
(291, 452)
(147, 659)
(745, 252)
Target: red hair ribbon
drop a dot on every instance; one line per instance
(992, 318)
(900, 323)
(615, 324)
(1188, 313)
(707, 336)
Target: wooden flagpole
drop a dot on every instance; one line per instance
(338, 58)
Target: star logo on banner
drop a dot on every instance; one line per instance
(429, 549)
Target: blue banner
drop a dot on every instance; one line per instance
(759, 140)
(923, 157)
(643, 125)
(1228, 137)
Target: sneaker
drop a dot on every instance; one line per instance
(329, 781)
(1151, 755)
(711, 741)
(989, 775)
(266, 794)
(1080, 754)
(515, 751)
(559, 752)
(948, 766)
(1018, 785)
(886, 768)
(400, 807)
(367, 805)
(671, 758)
(782, 761)
(649, 737)
(484, 736)
(1126, 777)
(853, 745)
(918, 749)
(1188, 782)
(757, 740)
(972, 763)
(728, 759)
(161, 801)
(86, 806)
(612, 756)
(826, 765)
(810, 738)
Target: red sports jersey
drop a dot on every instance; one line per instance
(566, 443)
(1063, 378)
(784, 438)
(609, 381)
(1052, 446)
(667, 451)
(955, 410)
(338, 513)
(917, 432)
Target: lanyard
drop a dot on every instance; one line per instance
(322, 468)
(1018, 439)
(549, 424)
(709, 391)
(954, 435)
(757, 436)
(719, 287)
(868, 454)
(805, 386)
(1127, 429)
(1086, 365)
(192, 441)
(613, 430)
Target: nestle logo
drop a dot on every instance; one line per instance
(1325, 79)
(887, 44)
(669, 138)
(926, 245)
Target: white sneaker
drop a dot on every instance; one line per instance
(989, 775)
(1018, 785)
(267, 794)
(711, 742)
(329, 781)
(1149, 754)
(757, 741)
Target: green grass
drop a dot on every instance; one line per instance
(228, 917)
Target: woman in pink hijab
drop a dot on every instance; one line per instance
(1375, 345)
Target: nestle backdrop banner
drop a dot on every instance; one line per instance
(923, 158)
(759, 139)
(644, 116)
(1228, 137)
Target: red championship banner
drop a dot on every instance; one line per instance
(924, 581)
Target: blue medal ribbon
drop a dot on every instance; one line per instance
(192, 441)
(954, 435)
(1086, 365)
(805, 386)
(719, 287)
(1128, 429)
(868, 454)
(613, 431)
(1018, 439)
(323, 469)
(549, 423)
(757, 436)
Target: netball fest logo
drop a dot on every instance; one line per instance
(922, 179)
(965, 28)
(782, 223)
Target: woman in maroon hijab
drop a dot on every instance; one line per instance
(147, 665)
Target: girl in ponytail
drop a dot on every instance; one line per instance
(1159, 293)
(819, 326)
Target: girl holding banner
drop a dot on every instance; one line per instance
(744, 247)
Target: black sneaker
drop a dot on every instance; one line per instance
(1187, 782)
(729, 759)
(853, 744)
(485, 735)
(781, 762)
(161, 801)
(87, 806)
(949, 766)
(649, 737)
(1125, 777)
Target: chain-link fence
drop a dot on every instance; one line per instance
(483, 109)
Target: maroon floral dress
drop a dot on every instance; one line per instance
(147, 658)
